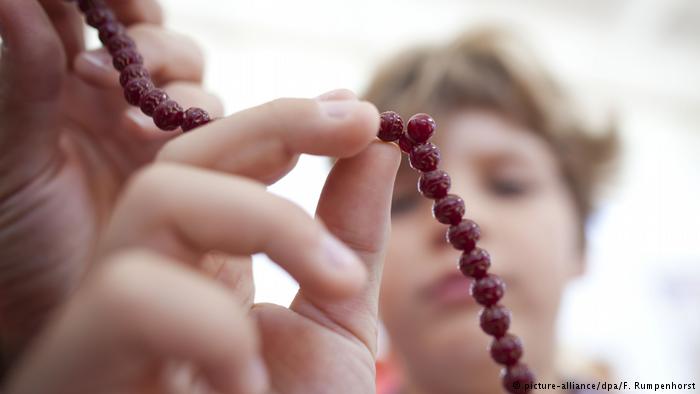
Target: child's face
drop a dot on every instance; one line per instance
(510, 182)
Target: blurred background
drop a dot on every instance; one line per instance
(637, 309)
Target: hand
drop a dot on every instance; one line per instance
(147, 316)
(87, 179)
(68, 142)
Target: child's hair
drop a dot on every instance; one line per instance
(489, 69)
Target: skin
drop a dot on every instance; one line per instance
(510, 181)
(108, 277)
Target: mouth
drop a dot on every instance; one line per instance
(451, 290)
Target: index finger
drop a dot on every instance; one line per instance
(264, 142)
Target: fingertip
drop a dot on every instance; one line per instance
(358, 128)
(388, 151)
(337, 94)
(370, 117)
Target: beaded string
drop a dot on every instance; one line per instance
(139, 89)
(487, 289)
(463, 234)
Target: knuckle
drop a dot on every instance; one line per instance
(150, 184)
(113, 289)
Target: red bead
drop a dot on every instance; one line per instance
(517, 379)
(131, 72)
(463, 236)
(405, 143)
(449, 209)
(488, 290)
(420, 128)
(87, 5)
(495, 320)
(109, 30)
(119, 42)
(434, 184)
(424, 157)
(98, 16)
(507, 349)
(390, 126)
(126, 57)
(136, 89)
(168, 115)
(475, 263)
(195, 117)
(152, 100)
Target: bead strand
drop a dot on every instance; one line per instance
(139, 89)
(463, 234)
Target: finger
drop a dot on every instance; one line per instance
(144, 306)
(137, 124)
(32, 67)
(354, 205)
(168, 56)
(68, 24)
(264, 142)
(186, 212)
(233, 272)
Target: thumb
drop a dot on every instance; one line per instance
(355, 206)
(32, 67)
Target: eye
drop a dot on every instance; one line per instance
(404, 203)
(508, 187)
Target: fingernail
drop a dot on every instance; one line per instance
(96, 61)
(338, 254)
(338, 109)
(258, 378)
(337, 94)
(139, 118)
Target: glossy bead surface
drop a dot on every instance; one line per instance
(168, 115)
(109, 30)
(517, 379)
(434, 184)
(195, 117)
(390, 126)
(424, 157)
(449, 209)
(405, 143)
(475, 263)
(131, 72)
(152, 100)
(87, 5)
(488, 290)
(420, 128)
(495, 320)
(463, 236)
(98, 16)
(126, 57)
(507, 349)
(136, 89)
(119, 42)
